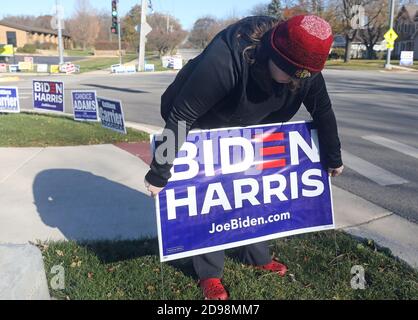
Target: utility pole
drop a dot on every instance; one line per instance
(142, 36)
(392, 14)
(59, 16)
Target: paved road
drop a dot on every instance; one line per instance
(377, 114)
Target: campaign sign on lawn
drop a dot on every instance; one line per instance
(84, 105)
(9, 100)
(48, 95)
(234, 187)
(111, 115)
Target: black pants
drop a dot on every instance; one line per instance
(211, 265)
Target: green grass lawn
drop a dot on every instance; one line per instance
(102, 63)
(155, 60)
(319, 268)
(358, 64)
(79, 53)
(33, 130)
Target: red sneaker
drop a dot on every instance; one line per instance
(213, 289)
(274, 266)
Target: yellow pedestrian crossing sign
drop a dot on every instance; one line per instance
(391, 36)
(390, 46)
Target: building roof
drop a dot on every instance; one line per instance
(408, 11)
(31, 29)
(412, 10)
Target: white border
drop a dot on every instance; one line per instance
(237, 244)
(97, 105)
(48, 110)
(18, 99)
(121, 109)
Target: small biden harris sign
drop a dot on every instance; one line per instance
(235, 187)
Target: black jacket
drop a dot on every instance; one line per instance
(219, 89)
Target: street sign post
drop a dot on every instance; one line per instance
(144, 29)
(57, 23)
(391, 35)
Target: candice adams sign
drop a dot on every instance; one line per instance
(235, 187)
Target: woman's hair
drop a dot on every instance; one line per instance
(254, 55)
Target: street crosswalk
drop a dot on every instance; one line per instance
(394, 145)
(373, 172)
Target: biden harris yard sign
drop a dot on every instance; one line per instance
(48, 95)
(235, 187)
(9, 100)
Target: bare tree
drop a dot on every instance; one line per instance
(129, 22)
(317, 7)
(105, 23)
(43, 21)
(21, 19)
(260, 10)
(346, 13)
(84, 25)
(204, 30)
(377, 13)
(166, 35)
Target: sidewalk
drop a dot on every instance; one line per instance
(97, 193)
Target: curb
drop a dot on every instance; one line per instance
(147, 128)
(366, 220)
(23, 275)
(392, 232)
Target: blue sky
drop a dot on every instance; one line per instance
(185, 10)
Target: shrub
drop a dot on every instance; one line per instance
(337, 53)
(27, 48)
(109, 45)
(48, 46)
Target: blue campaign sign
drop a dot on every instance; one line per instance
(85, 105)
(9, 100)
(234, 187)
(111, 115)
(48, 95)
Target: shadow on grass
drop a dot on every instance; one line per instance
(111, 252)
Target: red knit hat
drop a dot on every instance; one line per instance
(300, 46)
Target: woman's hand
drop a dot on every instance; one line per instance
(336, 172)
(154, 191)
